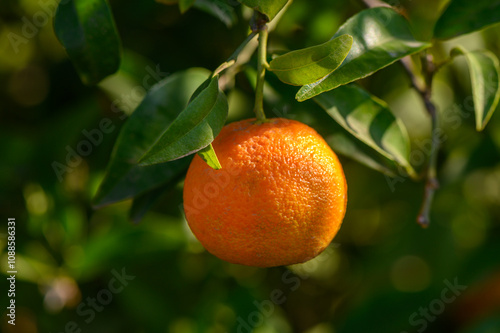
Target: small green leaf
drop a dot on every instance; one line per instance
(465, 16)
(195, 128)
(124, 178)
(219, 9)
(87, 31)
(209, 156)
(485, 81)
(308, 65)
(368, 119)
(184, 5)
(270, 8)
(380, 37)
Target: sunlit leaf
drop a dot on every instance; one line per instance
(124, 177)
(87, 31)
(308, 65)
(270, 8)
(380, 37)
(465, 16)
(194, 129)
(370, 120)
(209, 156)
(485, 78)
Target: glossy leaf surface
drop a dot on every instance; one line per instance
(369, 120)
(465, 16)
(124, 178)
(308, 65)
(87, 31)
(380, 37)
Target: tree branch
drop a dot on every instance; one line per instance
(424, 89)
(425, 92)
(259, 25)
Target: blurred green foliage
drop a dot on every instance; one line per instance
(382, 268)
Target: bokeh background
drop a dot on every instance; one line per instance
(382, 273)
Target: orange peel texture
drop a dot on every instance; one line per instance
(279, 198)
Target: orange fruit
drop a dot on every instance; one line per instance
(279, 198)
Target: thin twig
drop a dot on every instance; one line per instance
(431, 184)
(259, 24)
(227, 79)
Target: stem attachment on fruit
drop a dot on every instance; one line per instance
(259, 25)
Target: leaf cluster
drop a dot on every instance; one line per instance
(182, 114)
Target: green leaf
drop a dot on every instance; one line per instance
(209, 156)
(164, 101)
(194, 129)
(87, 31)
(270, 8)
(308, 65)
(380, 37)
(485, 81)
(465, 16)
(184, 5)
(219, 9)
(343, 144)
(368, 119)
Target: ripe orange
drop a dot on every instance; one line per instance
(279, 198)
